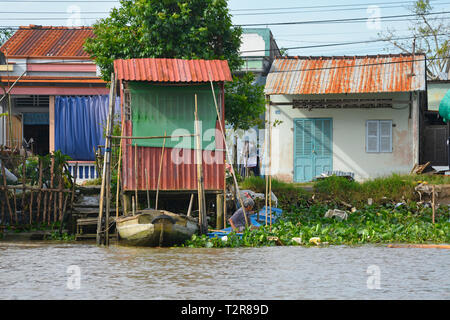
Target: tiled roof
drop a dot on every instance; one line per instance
(41, 41)
(355, 74)
(172, 70)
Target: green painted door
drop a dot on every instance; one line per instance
(312, 148)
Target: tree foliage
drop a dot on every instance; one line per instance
(431, 34)
(5, 34)
(184, 29)
(244, 102)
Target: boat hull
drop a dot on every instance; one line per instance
(155, 228)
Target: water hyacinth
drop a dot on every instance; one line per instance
(375, 224)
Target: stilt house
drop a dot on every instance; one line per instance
(158, 99)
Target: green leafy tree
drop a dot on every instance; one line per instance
(184, 29)
(431, 34)
(244, 102)
(5, 34)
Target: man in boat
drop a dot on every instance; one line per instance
(237, 220)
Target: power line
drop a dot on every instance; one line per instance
(336, 20)
(315, 11)
(345, 43)
(326, 6)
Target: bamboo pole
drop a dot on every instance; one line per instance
(15, 205)
(434, 201)
(108, 160)
(23, 182)
(191, 201)
(55, 198)
(270, 165)
(5, 188)
(160, 169)
(200, 185)
(136, 178)
(60, 204)
(224, 195)
(119, 173)
(227, 153)
(106, 165)
(146, 184)
(153, 137)
(38, 214)
(51, 187)
(31, 207)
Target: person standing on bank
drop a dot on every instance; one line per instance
(237, 220)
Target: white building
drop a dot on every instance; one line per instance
(358, 114)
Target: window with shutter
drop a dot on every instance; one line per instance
(372, 136)
(379, 136)
(386, 136)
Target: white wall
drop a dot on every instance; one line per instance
(349, 137)
(252, 42)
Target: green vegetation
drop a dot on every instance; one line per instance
(183, 29)
(381, 190)
(374, 224)
(394, 216)
(61, 237)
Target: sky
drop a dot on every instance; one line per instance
(85, 12)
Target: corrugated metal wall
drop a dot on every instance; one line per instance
(174, 176)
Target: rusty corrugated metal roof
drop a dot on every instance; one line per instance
(356, 74)
(47, 41)
(172, 70)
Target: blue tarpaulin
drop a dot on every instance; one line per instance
(79, 124)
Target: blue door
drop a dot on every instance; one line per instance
(312, 148)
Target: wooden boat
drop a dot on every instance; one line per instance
(153, 228)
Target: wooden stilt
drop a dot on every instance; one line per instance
(119, 173)
(200, 186)
(52, 168)
(270, 165)
(15, 206)
(146, 185)
(24, 161)
(160, 170)
(191, 201)
(219, 210)
(136, 178)
(106, 175)
(433, 202)
(224, 196)
(31, 207)
(38, 213)
(60, 204)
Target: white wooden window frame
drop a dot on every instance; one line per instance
(378, 136)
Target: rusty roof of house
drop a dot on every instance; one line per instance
(172, 70)
(47, 41)
(347, 74)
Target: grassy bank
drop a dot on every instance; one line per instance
(385, 221)
(374, 224)
(334, 189)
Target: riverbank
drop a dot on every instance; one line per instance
(375, 224)
(395, 215)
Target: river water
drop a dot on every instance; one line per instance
(38, 270)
